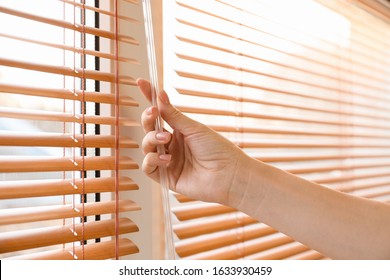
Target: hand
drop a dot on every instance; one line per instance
(201, 164)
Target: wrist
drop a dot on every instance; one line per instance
(245, 190)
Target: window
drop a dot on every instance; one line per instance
(302, 95)
(65, 157)
(302, 85)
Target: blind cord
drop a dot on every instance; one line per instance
(169, 246)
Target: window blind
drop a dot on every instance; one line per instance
(302, 85)
(63, 159)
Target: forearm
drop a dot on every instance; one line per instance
(338, 225)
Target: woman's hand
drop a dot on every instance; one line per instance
(201, 164)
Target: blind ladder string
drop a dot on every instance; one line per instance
(117, 133)
(153, 76)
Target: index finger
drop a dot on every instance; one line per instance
(145, 89)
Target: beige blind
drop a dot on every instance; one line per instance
(302, 85)
(63, 159)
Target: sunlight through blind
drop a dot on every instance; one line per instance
(302, 85)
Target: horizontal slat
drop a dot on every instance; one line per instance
(47, 164)
(238, 251)
(356, 186)
(315, 157)
(44, 213)
(28, 239)
(182, 198)
(354, 167)
(41, 188)
(305, 144)
(212, 224)
(100, 11)
(212, 241)
(68, 94)
(288, 131)
(199, 210)
(264, 116)
(63, 117)
(72, 49)
(55, 140)
(96, 251)
(67, 71)
(373, 192)
(70, 26)
(345, 178)
(132, 1)
(307, 255)
(280, 252)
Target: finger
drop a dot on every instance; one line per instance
(152, 139)
(151, 163)
(175, 118)
(148, 119)
(145, 89)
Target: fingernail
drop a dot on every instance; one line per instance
(139, 81)
(162, 136)
(165, 157)
(149, 111)
(163, 97)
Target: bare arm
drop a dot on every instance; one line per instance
(205, 166)
(338, 225)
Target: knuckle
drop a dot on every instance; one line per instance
(148, 166)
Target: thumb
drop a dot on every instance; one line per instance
(175, 118)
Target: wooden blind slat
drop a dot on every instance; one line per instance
(62, 117)
(238, 251)
(73, 49)
(200, 210)
(344, 178)
(313, 169)
(28, 239)
(95, 251)
(212, 241)
(307, 255)
(280, 252)
(63, 70)
(42, 164)
(44, 213)
(315, 157)
(78, 95)
(213, 224)
(297, 132)
(41, 188)
(52, 140)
